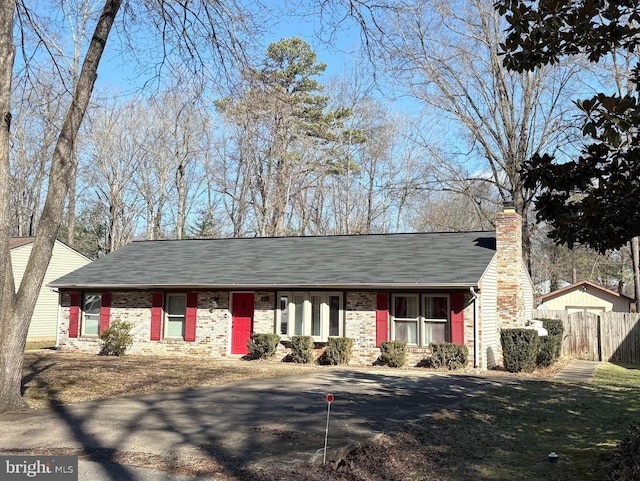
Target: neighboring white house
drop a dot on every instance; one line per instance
(585, 296)
(63, 261)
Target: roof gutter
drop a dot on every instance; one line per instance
(401, 286)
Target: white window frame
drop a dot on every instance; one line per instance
(86, 316)
(425, 320)
(406, 320)
(421, 320)
(169, 317)
(306, 310)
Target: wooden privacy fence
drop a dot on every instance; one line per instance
(610, 336)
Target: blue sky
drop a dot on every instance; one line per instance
(117, 73)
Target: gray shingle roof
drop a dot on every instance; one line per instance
(380, 260)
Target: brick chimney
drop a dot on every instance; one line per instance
(510, 305)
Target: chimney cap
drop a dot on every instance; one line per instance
(509, 206)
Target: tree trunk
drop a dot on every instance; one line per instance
(181, 188)
(71, 209)
(11, 348)
(17, 308)
(635, 259)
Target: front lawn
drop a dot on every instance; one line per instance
(51, 377)
(506, 433)
(503, 433)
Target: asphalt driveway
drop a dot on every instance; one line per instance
(281, 419)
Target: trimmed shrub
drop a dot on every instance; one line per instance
(447, 355)
(555, 328)
(519, 349)
(302, 349)
(338, 351)
(263, 346)
(115, 340)
(551, 344)
(393, 353)
(545, 357)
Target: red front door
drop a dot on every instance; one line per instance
(241, 321)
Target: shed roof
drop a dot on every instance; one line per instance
(456, 259)
(15, 242)
(582, 285)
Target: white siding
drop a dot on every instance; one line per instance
(63, 261)
(489, 341)
(528, 293)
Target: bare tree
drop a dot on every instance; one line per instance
(451, 212)
(153, 183)
(228, 172)
(181, 123)
(378, 173)
(79, 14)
(445, 54)
(200, 36)
(111, 160)
(37, 119)
(17, 307)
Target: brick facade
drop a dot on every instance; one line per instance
(510, 299)
(214, 325)
(212, 332)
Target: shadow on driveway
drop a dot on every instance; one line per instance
(242, 424)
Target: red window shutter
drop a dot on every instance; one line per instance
(74, 314)
(382, 318)
(457, 318)
(105, 311)
(191, 316)
(156, 315)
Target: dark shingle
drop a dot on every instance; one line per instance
(393, 260)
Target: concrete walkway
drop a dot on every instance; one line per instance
(578, 371)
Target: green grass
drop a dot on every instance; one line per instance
(504, 433)
(614, 376)
(507, 432)
(34, 345)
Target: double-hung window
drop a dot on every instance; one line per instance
(420, 319)
(175, 315)
(405, 314)
(317, 314)
(91, 304)
(436, 316)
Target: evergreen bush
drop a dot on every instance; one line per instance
(555, 328)
(447, 355)
(519, 349)
(393, 353)
(116, 339)
(545, 357)
(551, 344)
(338, 351)
(263, 346)
(302, 349)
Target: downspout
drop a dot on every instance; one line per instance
(476, 351)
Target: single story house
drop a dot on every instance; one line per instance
(206, 297)
(585, 296)
(64, 259)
